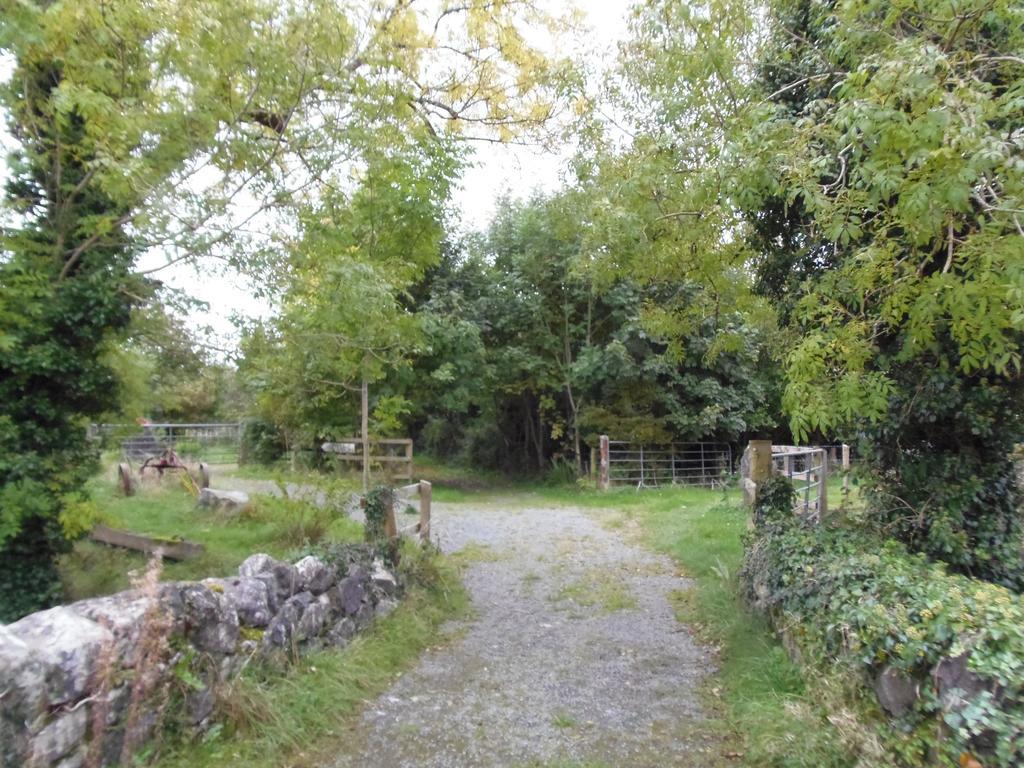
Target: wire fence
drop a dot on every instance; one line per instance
(707, 465)
(210, 443)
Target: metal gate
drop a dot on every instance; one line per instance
(807, 470)
(639, 465)
(212, 443)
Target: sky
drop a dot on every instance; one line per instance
(496, 170)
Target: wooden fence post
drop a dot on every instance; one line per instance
(426, 490)
(846, 468)
(602, 475)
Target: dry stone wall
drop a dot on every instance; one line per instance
(79, 681)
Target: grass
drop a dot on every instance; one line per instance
(305, 714)
(276, 526)
(598, 588)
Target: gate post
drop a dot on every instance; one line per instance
(602, 473)
(755, 469)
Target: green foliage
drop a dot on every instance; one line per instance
(262, 442)
(379, 506)
(528, 357)
(868, 605)
(273, 525)
(862, 162)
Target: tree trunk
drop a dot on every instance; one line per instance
(366, 433)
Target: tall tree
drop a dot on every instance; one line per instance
(870, 157)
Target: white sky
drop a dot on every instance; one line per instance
(496, 170)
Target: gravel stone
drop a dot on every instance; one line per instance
(540, 675)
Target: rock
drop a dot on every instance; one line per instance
(282, 579)
(281, 629)
(199, 704)
(896, 692)
(382, 579)
(211, 623)
(249, 596)
(63, 646)
(59, 737)
(384, 607)
(256, 564)
(348, 595)
(227, 501)
(341, 633)
(315, 575)
(956, 683)
(75, 760)
(312, 622)
(123, 614)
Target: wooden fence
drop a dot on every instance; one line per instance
(391, 457)
(639, 465)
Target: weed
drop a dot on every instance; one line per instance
(598, 588)
(563, 720)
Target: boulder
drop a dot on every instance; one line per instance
(342, 632)
(311, 625)
(61, 646)
(315, 575)
(281, 629)
(347, 595)
(211, 623)
(385, 607)
(956, 683)
(896, 692)
(256, 564)
(226, 501)
(199, 704)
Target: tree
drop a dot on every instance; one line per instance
(199, 129)
(342, 324)
(869, 157)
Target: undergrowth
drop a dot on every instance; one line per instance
(273, 525)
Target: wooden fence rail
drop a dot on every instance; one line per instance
(392, 455)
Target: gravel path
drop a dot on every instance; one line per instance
(573, 655)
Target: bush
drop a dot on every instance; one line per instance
(262, 442)
(952, 644)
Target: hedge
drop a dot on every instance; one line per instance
(943, 653)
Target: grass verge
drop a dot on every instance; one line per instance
(766, 707)
(305, 714)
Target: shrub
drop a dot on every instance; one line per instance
(954, 644)
(262, 442)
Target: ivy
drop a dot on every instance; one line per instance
(846, 597)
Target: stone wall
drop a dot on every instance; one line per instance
(78, 680)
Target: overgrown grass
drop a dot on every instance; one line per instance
(275, 526)
(304, 714)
